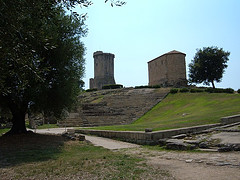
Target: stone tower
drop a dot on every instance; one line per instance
(103, 70)
(168, 70)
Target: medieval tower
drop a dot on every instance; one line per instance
(103, 70)
(168, 70)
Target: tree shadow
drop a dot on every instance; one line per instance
(30, 147)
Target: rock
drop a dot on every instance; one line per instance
(71, 131)
(64, 134)
(223, 164)
(225, 149)
(73, 138)
(188, 160)
(180, 136)
(203, 145)
(162, 142)
(195, 142)
(236, 147)
(179, 146)
(81, 138)
(148, 130)
(174, 141)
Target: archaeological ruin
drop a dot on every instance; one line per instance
(103, 70)
(168, 70)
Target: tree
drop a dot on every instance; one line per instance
(41, 59)
(208, 65)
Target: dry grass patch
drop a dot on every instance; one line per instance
(35, 156)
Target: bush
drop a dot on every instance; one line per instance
(196, 90)
(91, 90)
(112, 86)
(219, 90)
(154, 86)
(174, 91)
(183, 90)
(229, 90)
(238, 91)
(140, 87)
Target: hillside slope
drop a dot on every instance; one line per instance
(185, 109)
(114, 107)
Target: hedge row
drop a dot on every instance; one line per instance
(140, 87)
(198, 90)
(112, 86)
(91, 90)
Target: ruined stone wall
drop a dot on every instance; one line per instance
(168, 70)
(103, 70)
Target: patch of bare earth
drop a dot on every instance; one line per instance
(193, 165)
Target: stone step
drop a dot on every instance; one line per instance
(121, 106)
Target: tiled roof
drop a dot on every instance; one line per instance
(171, 52)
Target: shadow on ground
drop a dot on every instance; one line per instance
(31, 147)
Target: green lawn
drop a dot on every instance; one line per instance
(184, 110)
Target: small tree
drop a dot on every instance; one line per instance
(208, 65)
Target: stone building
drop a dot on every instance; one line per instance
(168, 70)
(103, 70)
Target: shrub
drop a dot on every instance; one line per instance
(183, 90)
(174, 91)
(219, 90)
(140, 87)
(156, 86)
(112, 86)
(209, 90)
(238, 91)
(229, 90)
(196, 90)
(91, 90)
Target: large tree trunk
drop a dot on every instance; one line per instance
(18, 120)
(213, 85)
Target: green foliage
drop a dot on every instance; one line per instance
(196, 90)
(112, 86)
(183, 90)
(141, 87)
(3, 131)
(91, 90)
(208, 65)
(41, 59)
(173, 91)
(229, 90)
(219, 90)
(238, 91)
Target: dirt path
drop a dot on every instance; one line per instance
(97, 141)
(181, 165)
(193, 165)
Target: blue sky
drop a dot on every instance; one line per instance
(143, 30)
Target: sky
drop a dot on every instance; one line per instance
(143, 30)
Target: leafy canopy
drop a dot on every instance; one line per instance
(41, 57)
(208, 65)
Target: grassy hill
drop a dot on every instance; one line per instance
(184, 110)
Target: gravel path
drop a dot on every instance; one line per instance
(97, 141)
(180, 165)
